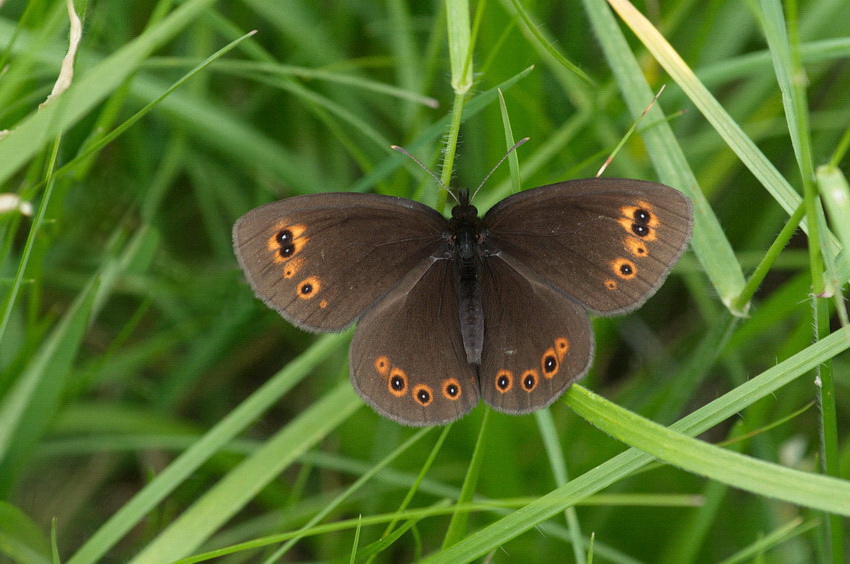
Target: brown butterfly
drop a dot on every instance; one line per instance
(452, 310)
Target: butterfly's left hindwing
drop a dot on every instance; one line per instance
(407, 356)
(608, 243)
(322, 260)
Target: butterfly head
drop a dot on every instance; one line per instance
(464, 213)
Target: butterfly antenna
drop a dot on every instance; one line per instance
(489, 174)
(404, 151)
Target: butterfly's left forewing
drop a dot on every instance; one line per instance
(322, 260)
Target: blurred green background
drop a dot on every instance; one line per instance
(152, 409)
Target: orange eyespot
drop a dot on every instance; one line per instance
(529, 380)
(451, 389)
(635, 246)
(382, 365)
(640, 212)
(309, 288)
(423, 395)
(624, 268)
(644, 212)
(504, 381)
(562, 347)
(397, 382)
(549, 363)
(286, 241)
(611, 284)
(292, 267)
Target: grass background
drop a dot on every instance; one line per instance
(151, 409)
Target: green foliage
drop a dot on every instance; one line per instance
(152, 410)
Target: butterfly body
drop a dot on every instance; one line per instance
(463, 235)
(454, 310)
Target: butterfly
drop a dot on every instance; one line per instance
(450, 311)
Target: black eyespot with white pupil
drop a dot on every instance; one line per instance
(550, 363)
(642, 216)
(528, 382)
(397, 383)
(452, 389)
(423, 396)
(640, 230)
(641, 225)
(626, 269)
(307, 289)
(284, 238)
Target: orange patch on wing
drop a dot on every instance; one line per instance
(382, 365)
(289, 238)
(397, 382)
(423, 395)
(309, 288)
(549, 363)
(529, 380)
(292, 265)
(562, 347)
(451, 389)
(647, 207)
(629, 225)
(623, 268)
(635, 246)
(504, 381)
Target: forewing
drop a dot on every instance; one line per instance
(609, 243)
(321, 260)
(407, 356)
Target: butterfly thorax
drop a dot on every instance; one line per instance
(464, 226)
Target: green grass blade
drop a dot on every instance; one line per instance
(457, 526)
(744, 472)
(89, 89)
(33, 400)
(182, 468)
(240, 485)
